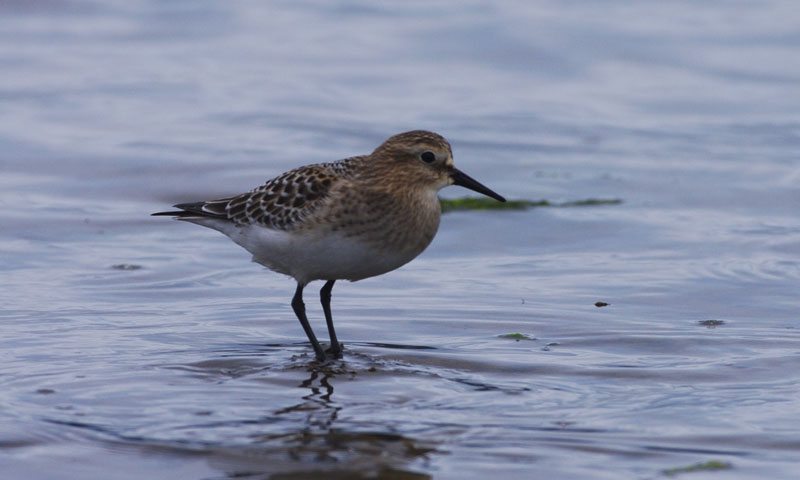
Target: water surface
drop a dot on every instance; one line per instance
(138, 347)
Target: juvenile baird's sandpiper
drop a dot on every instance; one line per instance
(351, 219)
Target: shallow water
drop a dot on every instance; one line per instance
(138, 347)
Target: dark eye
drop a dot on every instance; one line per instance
(427, 157)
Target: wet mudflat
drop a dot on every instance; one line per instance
(657, 336)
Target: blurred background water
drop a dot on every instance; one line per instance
(136, 347)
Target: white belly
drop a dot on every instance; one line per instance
(308, 257)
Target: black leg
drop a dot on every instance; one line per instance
(325, 297)
(300, 310)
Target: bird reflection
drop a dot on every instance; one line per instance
(320, 413)
(319, 445)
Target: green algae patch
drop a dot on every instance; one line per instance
(516, 336)
(475, 203)
(711, 323)
(590, 202)
(709, 466)
(484, 203)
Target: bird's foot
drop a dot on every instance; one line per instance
(335, 350)
(320, 357)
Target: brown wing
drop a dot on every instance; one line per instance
(280, 203)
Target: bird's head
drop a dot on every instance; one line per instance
(424, 159)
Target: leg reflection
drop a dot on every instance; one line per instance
(323, 442)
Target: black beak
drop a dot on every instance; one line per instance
(463, 180)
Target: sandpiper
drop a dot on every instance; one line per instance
(350, 219)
